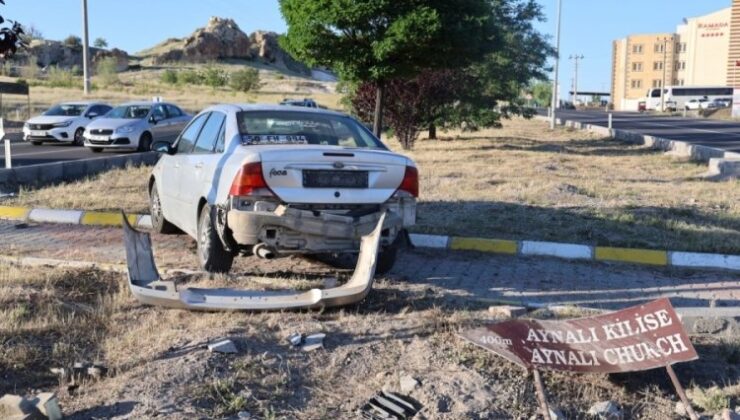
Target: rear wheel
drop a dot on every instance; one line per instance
(96, 149)
(212, 256)
(159, 223)
(79, 139)
(145, 143)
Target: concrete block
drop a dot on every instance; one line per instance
(224, 346)
(554, 249)
(507, 311)
(17, 407)
(692, 259)
(55, 216)
(429, 241)
(48, 405)
(724, 168)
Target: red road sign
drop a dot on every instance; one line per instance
(638, 338)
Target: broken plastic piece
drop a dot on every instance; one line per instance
(148, 287)
(389, 405)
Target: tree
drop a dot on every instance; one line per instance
(100, 43)
(542, 92)
(11, 38)
(493, 86)
(245, 80)
(73, 42)
(379, 40)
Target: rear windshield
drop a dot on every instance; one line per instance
(295, 127)
(65, 110)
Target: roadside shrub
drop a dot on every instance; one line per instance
(107, 71)
(169, 77)
(58, 77)
(214, 77)
(73, 41)
(245, 80)
(189, 77)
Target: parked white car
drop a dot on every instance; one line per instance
(696, 104)
(63, 123)
(271, 180)
(135, 126)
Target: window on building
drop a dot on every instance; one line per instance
(636, 66)
(683, 47)
(657, 83)
(658, 65)
(659, 48)
(637, 49)
(683, 66)
(636, 84)
(680, 82)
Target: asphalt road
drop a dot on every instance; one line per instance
(713, 133)
(24, 154)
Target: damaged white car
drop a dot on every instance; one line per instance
(270, 181)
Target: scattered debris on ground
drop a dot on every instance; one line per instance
(43, 406)
(389, 405)
(223, 346)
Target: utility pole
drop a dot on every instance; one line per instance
(554, 104)
(85, 49)
(665, 66)
(576, 58)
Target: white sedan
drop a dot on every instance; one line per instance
(63, 123)
(272, 180)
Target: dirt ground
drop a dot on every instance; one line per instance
(159, 367)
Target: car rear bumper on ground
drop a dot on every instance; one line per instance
(290, 230)
(149, 288)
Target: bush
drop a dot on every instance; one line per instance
(57, 77)
(169, 77)
(107, 71)
(74, 42)
(189, 77)
(245, 80)
(214, 77)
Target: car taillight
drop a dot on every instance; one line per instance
(249, 181)
(410, 183)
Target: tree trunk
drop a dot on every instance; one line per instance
(432, 132)
(379, 98)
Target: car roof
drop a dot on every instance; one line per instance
(271, 107)
(82, 103)
(144, 103)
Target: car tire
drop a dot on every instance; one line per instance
(159, 223)
(212, 257)
(37, 143)
(145, 143)
(96, 149)
(386, 259)
(79, 139)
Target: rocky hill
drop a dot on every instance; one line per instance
(47, 53)
(223, 39)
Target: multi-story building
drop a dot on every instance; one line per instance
(697, 54)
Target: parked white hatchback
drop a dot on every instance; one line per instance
(270, 180)
(63, 123)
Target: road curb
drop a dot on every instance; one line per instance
(580, 252)
(73, 217)
(456, 243)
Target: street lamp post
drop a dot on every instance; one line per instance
(665, 68)
(85, 49)
(576, 58)
(554, 101)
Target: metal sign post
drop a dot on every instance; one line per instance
(8, 162)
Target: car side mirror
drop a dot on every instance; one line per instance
(163, 147)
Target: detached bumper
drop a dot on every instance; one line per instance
(147, 286)
(291, 230)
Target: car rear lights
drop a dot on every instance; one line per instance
(410, 183)
(250, 181)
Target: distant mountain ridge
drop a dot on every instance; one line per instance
(223, 39)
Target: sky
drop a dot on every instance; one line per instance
(588, 26)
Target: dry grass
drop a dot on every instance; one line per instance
(527, 182)
(157, 358)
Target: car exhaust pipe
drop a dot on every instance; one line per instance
(263, 251)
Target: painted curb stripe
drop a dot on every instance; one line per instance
(14, 213)
(497, 246)
(429, 241)
(692, 259)
(71, 217)
(106, 219)
(554, 249)
(640, 256)
(145, 221)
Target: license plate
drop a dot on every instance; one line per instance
(37, 133)
(99, 138)
(335, 179)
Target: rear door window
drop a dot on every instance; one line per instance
(173, 111)
(188, 137)
(209, 134)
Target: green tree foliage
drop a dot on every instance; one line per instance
(73, 42)
(100, 43)
(169, 77)
(381, 40)
(214, 77)
(245, 80)
(542, 93)
(107, 71)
